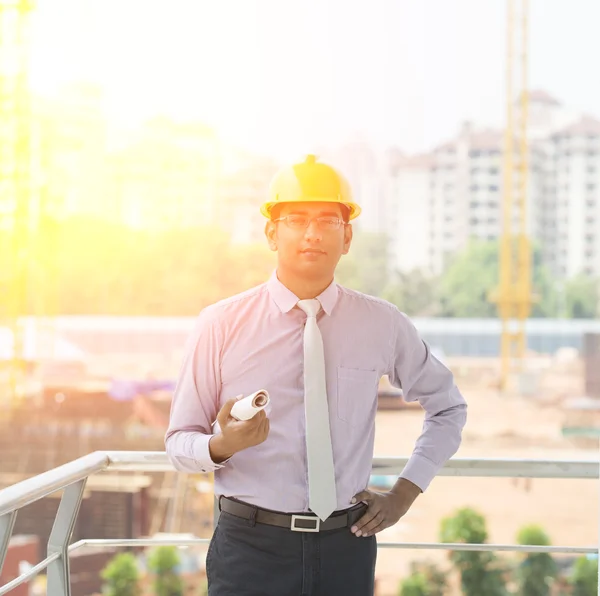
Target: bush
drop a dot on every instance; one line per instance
(163, 562)
(479, 570)
(121, 576)
(425, 580)
(584, 577)
(537, 571)
(414, 585)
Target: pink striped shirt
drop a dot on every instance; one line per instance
(254, 341)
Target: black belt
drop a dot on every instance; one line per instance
(296, 522)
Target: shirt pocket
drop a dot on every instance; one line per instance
(356, 394)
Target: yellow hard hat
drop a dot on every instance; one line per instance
(309, 181)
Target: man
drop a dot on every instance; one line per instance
(297, 517)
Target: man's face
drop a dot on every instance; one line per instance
(313, 251)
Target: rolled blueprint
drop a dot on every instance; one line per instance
(248, 406)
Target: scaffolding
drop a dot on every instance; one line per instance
(15, 173)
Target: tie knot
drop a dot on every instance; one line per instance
(310, 307)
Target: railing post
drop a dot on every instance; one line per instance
(59, 580)
(7, 523)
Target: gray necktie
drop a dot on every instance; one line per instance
(321, 473)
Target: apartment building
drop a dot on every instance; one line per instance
(166, 176)
(437, 202)
(243, 186)
(574, 153)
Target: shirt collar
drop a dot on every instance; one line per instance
(285, 299)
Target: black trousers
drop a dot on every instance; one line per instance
(249, 559)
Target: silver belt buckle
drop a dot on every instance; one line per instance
(315, 520)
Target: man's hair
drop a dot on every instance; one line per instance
(276, 212)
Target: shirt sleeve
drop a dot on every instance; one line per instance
(196, 399)
(423, 378)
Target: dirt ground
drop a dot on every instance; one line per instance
(498, 426)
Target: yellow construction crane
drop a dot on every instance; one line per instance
(514, 295)
(15, 173)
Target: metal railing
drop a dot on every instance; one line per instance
(72, 477)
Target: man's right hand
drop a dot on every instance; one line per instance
(237, 435)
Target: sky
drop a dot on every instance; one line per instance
(284, 76)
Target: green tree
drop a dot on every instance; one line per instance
(480, 572)
(582, 297)
(365, 267)
(537, 571)
(104, 268)
(163, 562)
(465, 285)
(414, 585)
(425, 580)
(472, 276)
(584, 577)
(121, 576)
(414, 293)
